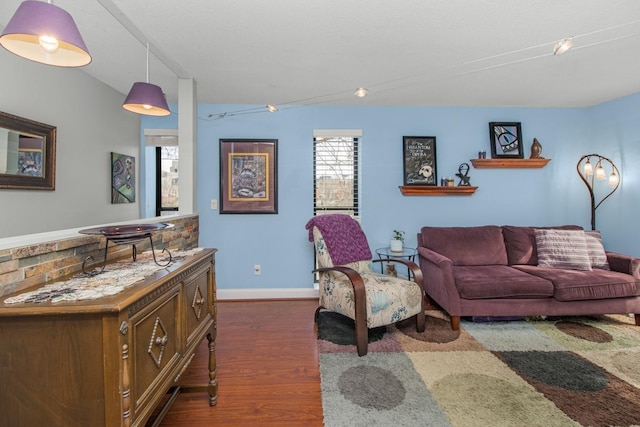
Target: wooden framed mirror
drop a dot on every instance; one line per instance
(27, 154)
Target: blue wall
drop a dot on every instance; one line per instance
(552, 195)
(615, 131)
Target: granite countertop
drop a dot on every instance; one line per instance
(115, 278)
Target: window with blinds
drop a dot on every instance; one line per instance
(335, 175)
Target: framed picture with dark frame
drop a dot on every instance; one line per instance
(506, 140)
(248, 176)
(419, 160)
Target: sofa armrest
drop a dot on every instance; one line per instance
(438, 280)
(624, 264)
(435, 258)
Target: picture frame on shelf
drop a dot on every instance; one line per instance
(506, 140)
(248, 176)
(419, 160)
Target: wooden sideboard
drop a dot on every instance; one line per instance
(107, 361)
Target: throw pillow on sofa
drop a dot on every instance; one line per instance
(521, 242)
(596, 250)
(565, 249)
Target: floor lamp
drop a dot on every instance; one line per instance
(591, 167)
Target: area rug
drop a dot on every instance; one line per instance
(554, 372)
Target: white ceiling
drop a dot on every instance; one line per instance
(406, 52)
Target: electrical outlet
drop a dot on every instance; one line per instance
(257, 269)
(214, 204)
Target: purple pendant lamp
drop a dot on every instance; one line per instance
(45, 33)
(146, 98)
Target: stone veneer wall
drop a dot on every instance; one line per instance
(28, 266)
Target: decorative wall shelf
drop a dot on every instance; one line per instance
(510, 163)
(432, 190)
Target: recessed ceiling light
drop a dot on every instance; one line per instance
(272, 108)
(562, 46)
(361, 92)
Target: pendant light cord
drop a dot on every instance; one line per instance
(147, 62)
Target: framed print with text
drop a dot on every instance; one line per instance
(419, 160)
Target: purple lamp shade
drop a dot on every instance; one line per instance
(34, 19)
(146, 98)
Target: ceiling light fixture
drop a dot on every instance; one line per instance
(146, 98)
(45, 33)
(361, 92)
(562, 46)
(272, 108)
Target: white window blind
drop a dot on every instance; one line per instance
(335, 170)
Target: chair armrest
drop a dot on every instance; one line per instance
(624, 264)
(415, 270)
(359, 294)
(353, 276)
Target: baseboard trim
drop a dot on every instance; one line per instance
(273, 293)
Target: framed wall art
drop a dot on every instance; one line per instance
(506, 140)
(419, 160)
(27, 154)
(123, 178)
(248, 176)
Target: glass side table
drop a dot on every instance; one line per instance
(407, 253)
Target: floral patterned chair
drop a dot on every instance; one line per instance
(348, 286)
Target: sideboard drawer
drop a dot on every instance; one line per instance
(156, 344)
(197, 300)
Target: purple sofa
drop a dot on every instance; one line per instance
(495, 271)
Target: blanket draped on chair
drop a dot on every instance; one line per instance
(345, 240)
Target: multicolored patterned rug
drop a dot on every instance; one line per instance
(563, 372)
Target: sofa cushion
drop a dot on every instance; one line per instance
(575, 285)
(467, 245)
(520, 243)
(499, 281)
(597, 254)
(565, 249)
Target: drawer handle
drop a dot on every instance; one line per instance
(199, 301)
(157, 342)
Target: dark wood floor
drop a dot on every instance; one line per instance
(267, 369)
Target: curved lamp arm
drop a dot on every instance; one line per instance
(588, 171)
